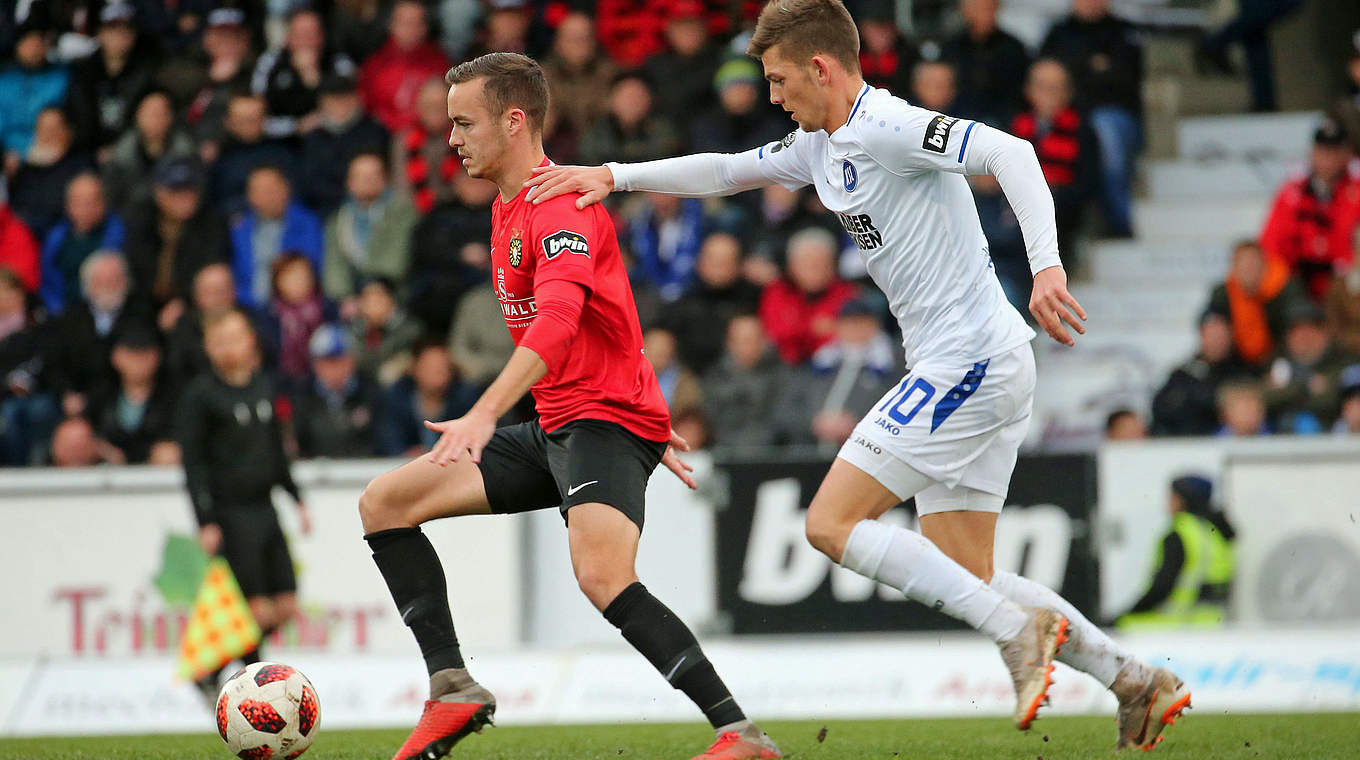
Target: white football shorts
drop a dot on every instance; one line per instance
(949, 435)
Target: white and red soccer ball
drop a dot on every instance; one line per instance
(268, 711)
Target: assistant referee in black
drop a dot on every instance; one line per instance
(233, 457)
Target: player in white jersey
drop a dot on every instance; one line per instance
(949, 432)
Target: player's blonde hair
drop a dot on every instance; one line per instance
(804, 28)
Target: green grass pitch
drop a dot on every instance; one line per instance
(1201, 737)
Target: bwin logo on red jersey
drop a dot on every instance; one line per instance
(937, 133)
(565, 240)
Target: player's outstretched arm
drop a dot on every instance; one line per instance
(698, 176)
(1052, 305)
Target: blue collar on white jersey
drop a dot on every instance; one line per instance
(862, 92)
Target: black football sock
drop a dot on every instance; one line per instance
(415, 577)
(251, 657)
(667, 643)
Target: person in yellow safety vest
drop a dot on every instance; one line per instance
(1193, 567)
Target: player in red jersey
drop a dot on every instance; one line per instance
(603, 427)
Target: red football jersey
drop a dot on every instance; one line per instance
(604, 375)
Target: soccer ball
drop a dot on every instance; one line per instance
(268, 711)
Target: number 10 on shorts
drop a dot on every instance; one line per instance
(908, 392)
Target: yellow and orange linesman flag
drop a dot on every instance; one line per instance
(220, 627)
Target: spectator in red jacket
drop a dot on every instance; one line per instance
(18, 247)
(1064, 144)
(1314, 217)
(799, 310)
(389, 80)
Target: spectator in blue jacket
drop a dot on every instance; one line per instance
(272, 223)
(665, 235)
(86, 228)
(28, 86)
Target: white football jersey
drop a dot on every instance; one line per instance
(894, 177)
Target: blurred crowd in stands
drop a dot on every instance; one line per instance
(168, 160)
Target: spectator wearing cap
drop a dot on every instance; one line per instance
(824, 398)
(1303, 386)
(425, 165)
(134, 416)
(799, 309)
(743, 390)
(1065, 146)
(432, 390)
(990, 63)
(1186, 404)
(1254, 298)
(152, 137)
(343, 130)
(741, 118)
(202, 80)
(1348, 421)
(699, 318)
(171, 236)
(19, 252)
(932, 86)
(246, 148)
(27, 412)
(384, 334)
(339, 405)
(82, 338)
(27, 86)
(296, 309)
(1104, 56)
(578, 78)
(630, 130)
(687, 65)
(38, 188)
(631, 30)
(86, 227)
(370, 234)
(1343, 308)
(1313, 220)
(273, 223)
(289, 78)
(390, 79)
(886, 57)
(106, 85)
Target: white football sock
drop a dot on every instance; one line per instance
(911, 563)
(1088, 648)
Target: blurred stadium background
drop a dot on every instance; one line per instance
(241, 107)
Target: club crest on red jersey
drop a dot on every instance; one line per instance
(516, 251)
(565, 240)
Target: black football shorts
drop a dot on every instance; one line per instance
(254, 546)
(525, 468)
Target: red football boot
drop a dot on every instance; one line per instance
(464, 709)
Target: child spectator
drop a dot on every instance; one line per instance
(295, 310)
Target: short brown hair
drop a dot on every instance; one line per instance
(804, 28)
(512, 81)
